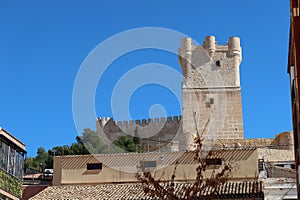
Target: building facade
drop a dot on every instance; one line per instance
(294, 71)
(12, 153)
(122, 168)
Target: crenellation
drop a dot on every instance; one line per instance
(169, 119)
(234, 48)
(210, 44)
(175, 118)
(119, 123)
(144, 122)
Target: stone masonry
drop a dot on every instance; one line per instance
(211, 91)
(157, 133)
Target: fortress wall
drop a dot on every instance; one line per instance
(272, 155)
(282, 141)
(157, 131)
(249, 142)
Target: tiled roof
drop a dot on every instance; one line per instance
(162, 158)
(135, 191)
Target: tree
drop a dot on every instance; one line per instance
(40, 162)
(125, 143)
(89, 142)
(32, 163)
(94, 144)
(129, 143)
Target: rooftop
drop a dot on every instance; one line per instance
(230, 190)
(10, 138)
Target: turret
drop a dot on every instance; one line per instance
(185, 54)
(234, 48)
(210, 44)
(235, 51)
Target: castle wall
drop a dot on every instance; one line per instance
(272, 155)
(155, 133)
(284, 140)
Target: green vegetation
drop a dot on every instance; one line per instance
(88, 143)
(10, 184)
(130, 144)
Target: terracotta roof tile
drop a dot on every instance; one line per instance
(135, 191)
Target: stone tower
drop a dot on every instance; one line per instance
(211, 92)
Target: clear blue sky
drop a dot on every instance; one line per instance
(43, 44)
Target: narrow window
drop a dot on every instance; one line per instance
(148, 164)
(211, 101)
(214, 161)
(94, 166)
(218, 63)
(207, 105)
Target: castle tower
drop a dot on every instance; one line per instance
(211, 104)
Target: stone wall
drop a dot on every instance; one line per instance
(272, 155)
(165, 133)
(155, 133)
(284, 140)
(211, 90)
(283, 144)
(247, 142)
(279, 172)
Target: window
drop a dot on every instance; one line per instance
(11, 166)
(94, 166)
(207, 104)
(148, 164)
(214, 161)
(4, 153)
(218, 63)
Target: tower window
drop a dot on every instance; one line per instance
(218, 63)
(211, 100)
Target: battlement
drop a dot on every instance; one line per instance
(175, 119)
(203, 63)
(211, 45)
